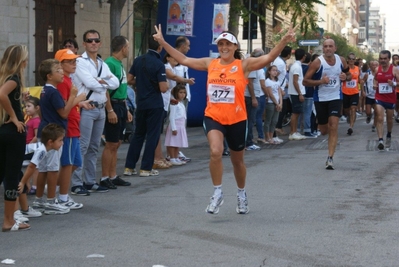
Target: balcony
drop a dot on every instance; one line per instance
(362, 8)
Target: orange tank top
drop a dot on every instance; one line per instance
(225, 92)
(351, 87)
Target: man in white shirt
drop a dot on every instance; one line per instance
(280, 63)
(182, 44)
(296, 90)
(94, 78)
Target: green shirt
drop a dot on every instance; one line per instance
(117, 69)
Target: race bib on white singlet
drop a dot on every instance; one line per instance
(384, 88)
(218, 93)
(334, 81)
(351, 84)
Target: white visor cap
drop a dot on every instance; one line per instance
(227, 36)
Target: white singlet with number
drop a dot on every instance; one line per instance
(351, 84)
(218, 93)
(384, 88)
(334, 81)
(332, 90)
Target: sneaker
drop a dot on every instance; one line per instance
(359, 114)
(380, 145)
(25, 163)
(296, 136)
(107, 183)
(71, 204)
(129, 172)
(54, 208)
(79, 190)
(252, 148)
(368, 119)
(343, 118)
(120, 182)
(388, 142)
(214, 204)
(95, 188)
(30, 213)
(39, 204)
(373, 128)
(19, 217)
(329, 164)
(242, 205)
(350, 131)
(175, 162)
(309, 135)
(144, 173)
(278, 140)
(397, 118)
(182, 157)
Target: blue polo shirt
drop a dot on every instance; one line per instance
(148, 70)
(50, 101)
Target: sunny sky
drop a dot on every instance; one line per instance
(390, 9)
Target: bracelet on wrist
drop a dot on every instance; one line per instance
(111, 110)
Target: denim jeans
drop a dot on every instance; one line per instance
(307, 114)
(259, 116)
(251, 115)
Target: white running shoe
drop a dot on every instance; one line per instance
(278, 140)
(296, 136)
(176, 162)
(242, 205)
(55, 208)
(252, 148)
(71, 204)
(30, 213)
(214, 204)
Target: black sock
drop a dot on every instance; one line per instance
(389, 135)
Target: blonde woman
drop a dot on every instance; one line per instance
(12, 130)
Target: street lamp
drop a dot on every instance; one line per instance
(347, 31)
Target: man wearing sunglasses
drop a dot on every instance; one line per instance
(350, 90)
(385, 81)
(92, 77)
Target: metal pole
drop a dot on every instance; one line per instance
(249, 40)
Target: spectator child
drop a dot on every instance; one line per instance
(70, 156)
(274, 103)
(51, 137)
(32, 109)
(176, 135)
(53, 110)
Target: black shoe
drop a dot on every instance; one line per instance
(350, 131)
(119, 181)
(226, 153)
(368, 119)
(108, 184)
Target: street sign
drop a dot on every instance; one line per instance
(308, 43)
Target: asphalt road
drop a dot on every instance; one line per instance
(301, 214)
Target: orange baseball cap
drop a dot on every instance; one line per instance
(65, 54)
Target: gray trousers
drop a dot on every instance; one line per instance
(91, 129)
